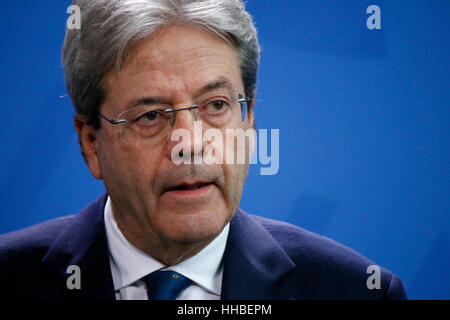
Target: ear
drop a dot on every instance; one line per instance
(251, 113)
(88, 138)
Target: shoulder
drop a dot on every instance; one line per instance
(21, 255)
(331, 264)
(294, 239)
(31, 242)
(40, 237)
(36, 258)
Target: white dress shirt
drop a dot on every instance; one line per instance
(129, 265)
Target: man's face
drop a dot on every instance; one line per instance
(151, 196)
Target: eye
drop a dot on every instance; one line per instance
(217, 106)
(151, 117)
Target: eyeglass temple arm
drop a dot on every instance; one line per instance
(242, 99)
(245, 100)
(111, 121)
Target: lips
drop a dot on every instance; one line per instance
(189, 186)
(188, 192)
(188, 183)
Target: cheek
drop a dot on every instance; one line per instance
(235, 175)
(114, 156)
(236, 159)
(129, 167)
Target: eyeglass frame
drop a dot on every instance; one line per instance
(241, 100)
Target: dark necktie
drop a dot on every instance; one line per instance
(165, 285)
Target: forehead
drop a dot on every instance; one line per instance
(174, 63)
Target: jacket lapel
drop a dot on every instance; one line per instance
(254, 263)
(83, 243)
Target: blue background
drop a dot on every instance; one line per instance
(363, 118)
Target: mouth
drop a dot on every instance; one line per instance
(187, 186)
(196, 189)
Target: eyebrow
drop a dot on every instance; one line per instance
(221, 82)
(142, 101)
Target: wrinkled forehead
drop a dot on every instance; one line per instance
(172, 43)
(176, 61)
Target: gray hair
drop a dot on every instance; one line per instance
(110, 28)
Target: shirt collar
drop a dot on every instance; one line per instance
(131, 264)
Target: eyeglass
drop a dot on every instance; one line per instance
(154, 120)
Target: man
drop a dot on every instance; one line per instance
(138, 72)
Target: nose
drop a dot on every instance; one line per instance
(174, 111)
(186, 137)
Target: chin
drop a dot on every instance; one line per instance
(194, 227)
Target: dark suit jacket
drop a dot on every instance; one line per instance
(264, 259)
